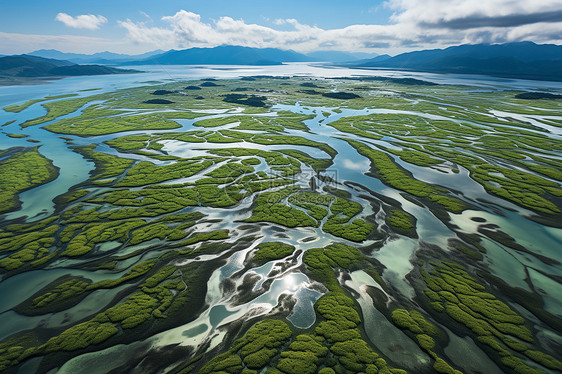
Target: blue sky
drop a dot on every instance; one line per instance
(390, 26)
(323, 13)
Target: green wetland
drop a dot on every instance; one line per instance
(266, 224)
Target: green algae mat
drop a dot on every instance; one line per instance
(283, 225)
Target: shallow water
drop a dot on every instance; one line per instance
(384, 335)
(395, 253)
(464, 353)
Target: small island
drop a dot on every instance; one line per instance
(294, 225)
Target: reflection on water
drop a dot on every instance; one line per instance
(289, 284)
(395, 255)
(382, 333)
(218, 314)
(303, 315)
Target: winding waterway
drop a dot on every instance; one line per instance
(349, 165)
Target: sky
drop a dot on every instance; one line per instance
(376, 26)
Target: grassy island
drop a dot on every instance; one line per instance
(285, 225)
(21, 171)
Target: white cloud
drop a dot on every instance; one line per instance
(83, 21)
(449, 11)
(139, 33)
(414, 25)
(146, 15)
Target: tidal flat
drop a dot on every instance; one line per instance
(282, 225)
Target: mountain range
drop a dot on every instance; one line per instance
(106, 58)
(223, 55)
(217, 55)
(522, 60)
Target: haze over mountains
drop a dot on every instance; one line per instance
(235, 55)
(227, 55)
(524, 60)
(96, 58)
(224, 55)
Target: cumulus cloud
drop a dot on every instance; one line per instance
(83, 21)
(510, 20)
(449, 22)
(466, 14)
(141, 34)
(413, 25)
(186, 29)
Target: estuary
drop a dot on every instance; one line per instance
(283, 219)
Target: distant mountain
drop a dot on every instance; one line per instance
(363, 55)
(338, 56)
(381, 58)
(29, 66)
(24, 66)
(332, 56)
(107, 58)
(378, 58)
(523, 60)
(224, 55)
(283, 55)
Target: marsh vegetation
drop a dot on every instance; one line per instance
(222, 214)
